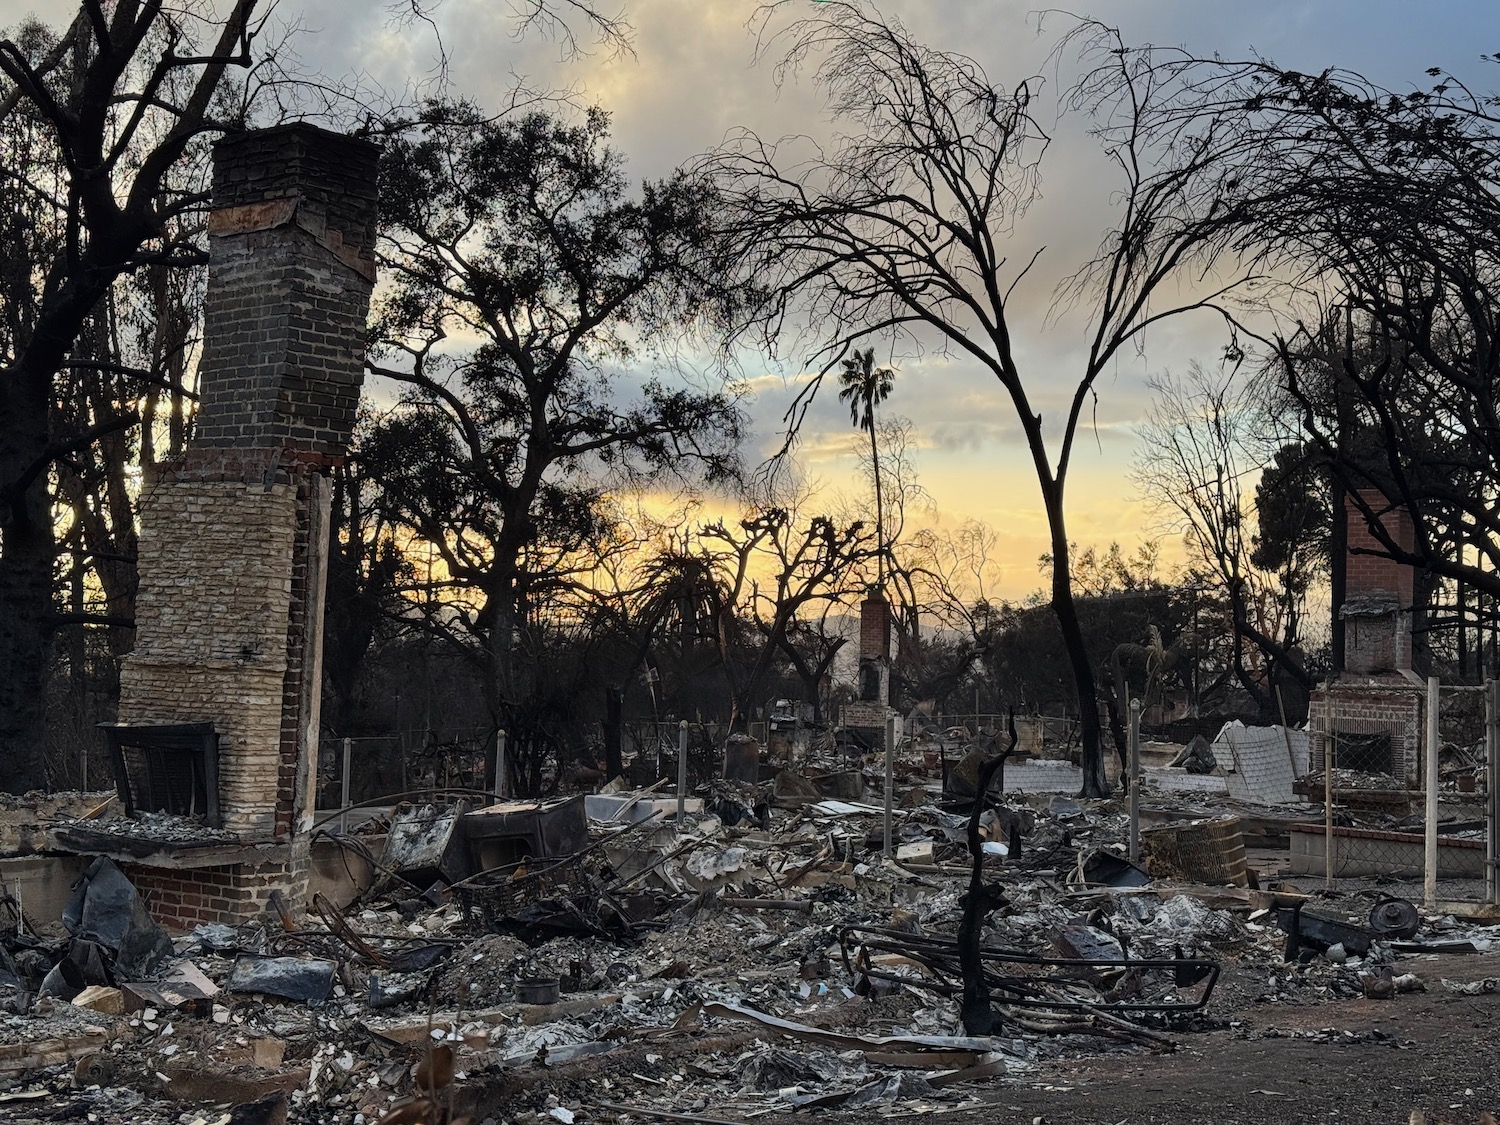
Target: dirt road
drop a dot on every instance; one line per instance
(1364, 1062)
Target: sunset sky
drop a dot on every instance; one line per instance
(691, 80)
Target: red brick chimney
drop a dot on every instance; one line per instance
(875, 650)
(1377, 590)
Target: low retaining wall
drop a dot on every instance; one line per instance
(1364, 851)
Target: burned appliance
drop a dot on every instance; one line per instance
(508, 833)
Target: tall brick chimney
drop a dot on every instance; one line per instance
(234, 539)
(875, 650)
(1368, 716)
(1377, 591)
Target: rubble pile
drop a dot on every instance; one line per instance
(763, 955)
(24, 820)
(167, 828)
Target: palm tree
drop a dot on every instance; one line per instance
(864, 387)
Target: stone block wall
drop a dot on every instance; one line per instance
(1377, 643)
(211, 633)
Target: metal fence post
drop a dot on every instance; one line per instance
(1491, 789)
(1430, 829)
(890, 778)
(344, 788)
(682, 731)
(1330, 841)
(1135, 781)
(402, 749)
(501, 788)
(1286, 732)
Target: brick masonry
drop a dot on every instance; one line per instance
(1370, 696)
(234, 537)
(1373, 706)
(1378, 592)
(181, 898)
(875, 650)
(1368, 573)
(874, 629)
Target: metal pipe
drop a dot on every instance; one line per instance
(1330, 842)
(800, 905)
(1490, 795)
(393, 799)
(1286, 732)
(1135, 781)
(344, 788)
(500, 779)
(890, 779)
(1430, 834)
(682, 729)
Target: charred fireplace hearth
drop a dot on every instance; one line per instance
(1364, 751)
(171, 768)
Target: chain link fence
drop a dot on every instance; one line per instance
(1407, 784)
(353, 771)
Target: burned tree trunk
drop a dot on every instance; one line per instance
(614, 764)
(1095, 783)
(978, 1018)
(27, 554)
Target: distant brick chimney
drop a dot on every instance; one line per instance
(1377, 591)
(875, 650)
(234, 539)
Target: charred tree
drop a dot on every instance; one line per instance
(523, 235)
(902, 232)
(120, 97)
(979, 901)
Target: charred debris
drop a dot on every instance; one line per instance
(596, 958)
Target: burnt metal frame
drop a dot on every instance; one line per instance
(549, 830)
(198, 739)
(939, 954)
(507, 890)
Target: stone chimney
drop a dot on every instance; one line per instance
(234, 539)
(1377, 591)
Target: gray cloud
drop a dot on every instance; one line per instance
(691, 81)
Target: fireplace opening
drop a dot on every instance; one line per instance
(171, 769)
(1364, 752)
